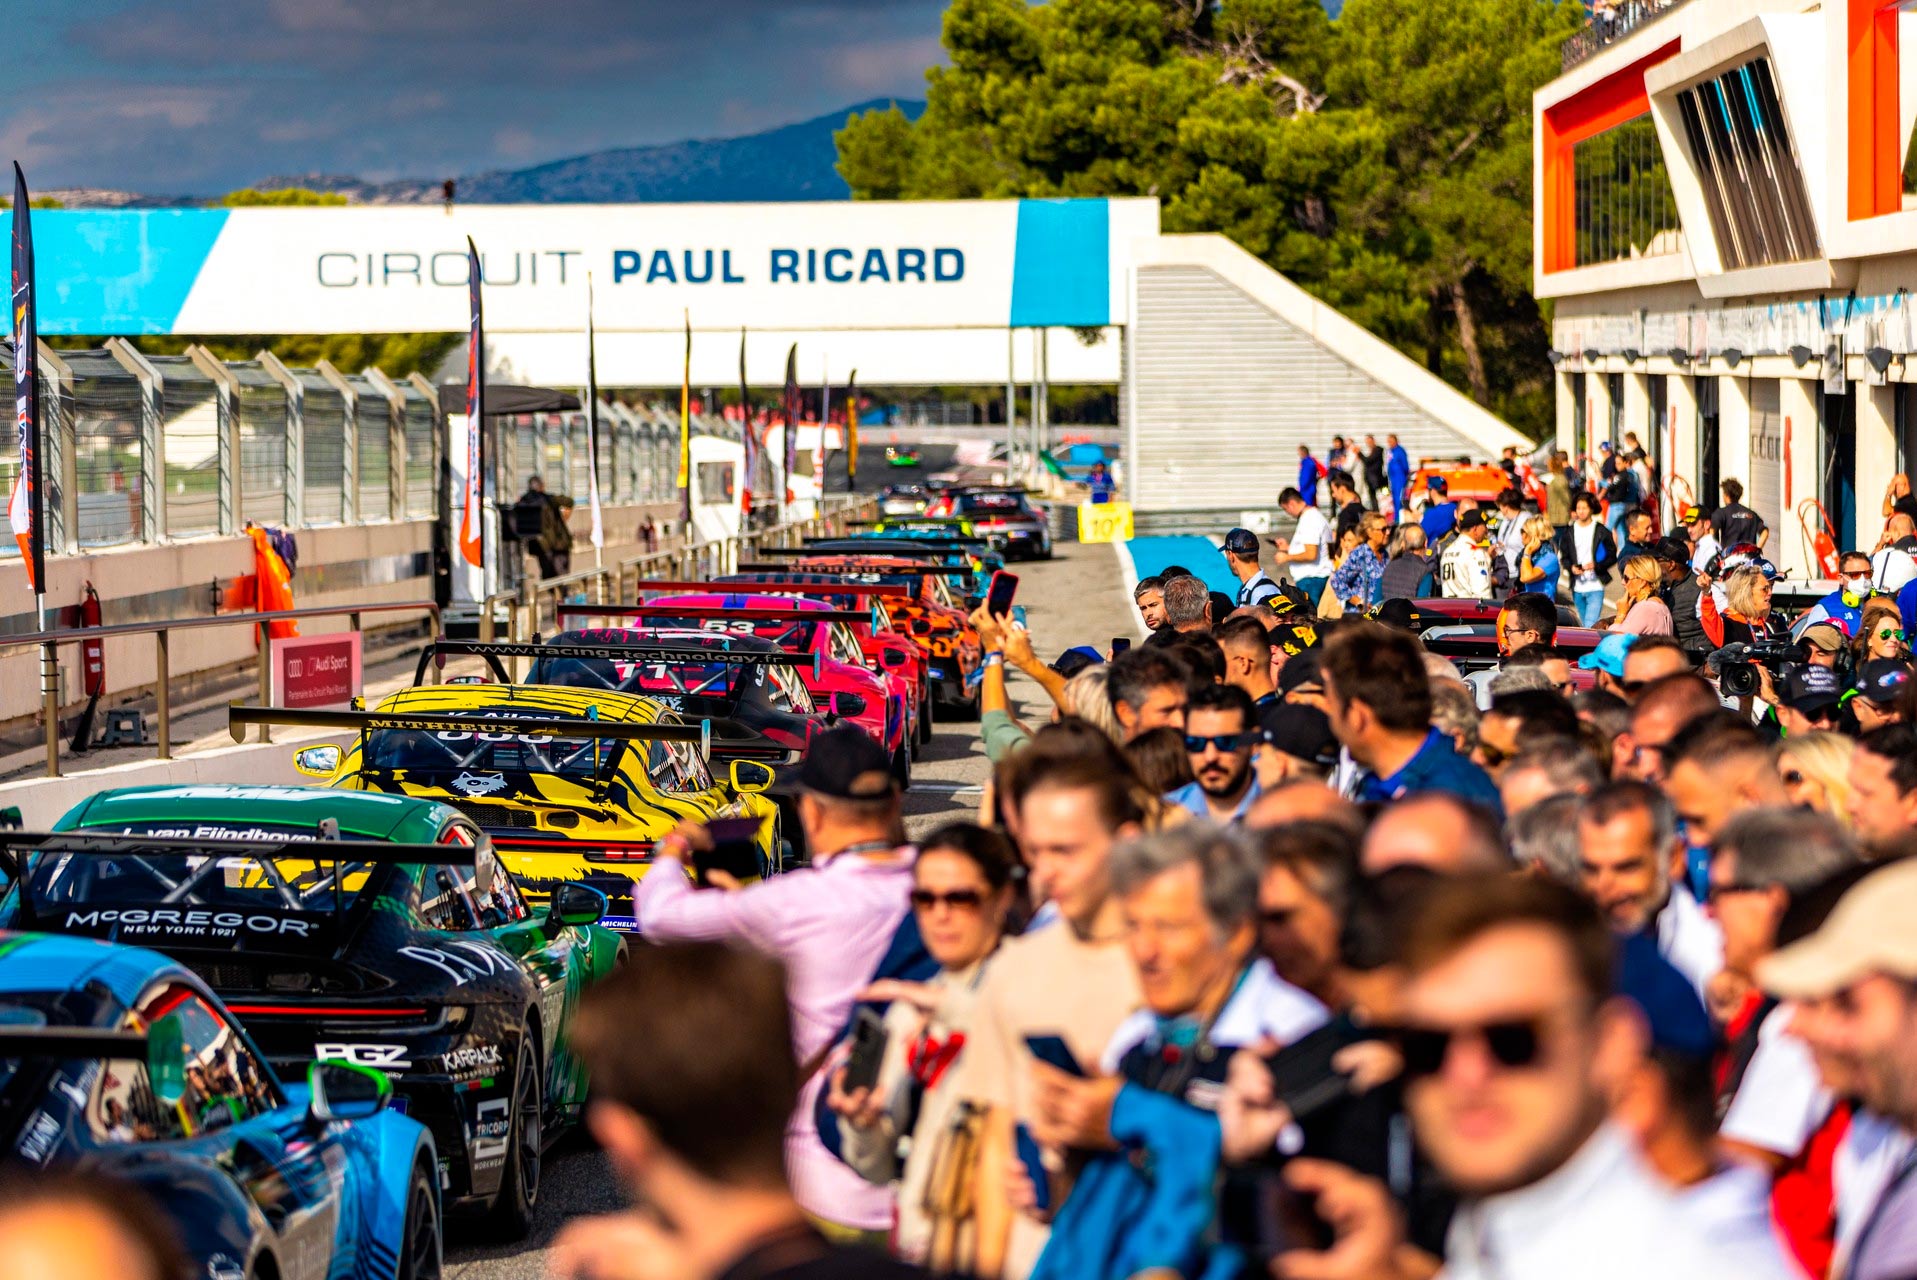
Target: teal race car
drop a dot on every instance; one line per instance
(410, 950)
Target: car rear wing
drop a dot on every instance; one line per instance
(493, 650)
(851, 570)
(240, 717)
(794, 586)
(319, 848)
(71, 1042)
(860, 547)
(746, 613)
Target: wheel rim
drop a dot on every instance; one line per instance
(530, 1129)
(423, 1253)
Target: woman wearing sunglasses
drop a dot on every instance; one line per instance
(1881, 633)
(1815, 768)
(961, 893)
(1747, 617)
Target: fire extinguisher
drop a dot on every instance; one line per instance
(92, 669)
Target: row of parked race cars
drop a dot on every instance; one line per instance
(315, 1023)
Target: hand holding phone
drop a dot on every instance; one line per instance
(868, 1051)
(1054, 1052)
(998, 596)
(1120, 644)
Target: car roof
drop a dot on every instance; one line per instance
(361, 814)
(559, 700)
(742, 600)
(686, 637)
(52, 962)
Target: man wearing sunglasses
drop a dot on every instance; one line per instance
(1219, 737)
(1513, 1048)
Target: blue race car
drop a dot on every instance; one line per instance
(121, 1061)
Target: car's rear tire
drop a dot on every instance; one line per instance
(926, 703)
(518, 1199)
(422, 1253)
(902, 767)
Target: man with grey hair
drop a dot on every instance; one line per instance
(1548, 767)
(1630, 854)
(1544, 837)
(1187, 604)
(1190, 898)
(1763, 860)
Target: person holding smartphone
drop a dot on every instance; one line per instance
(961, 893)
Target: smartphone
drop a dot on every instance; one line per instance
(1302, 1076)
(1120, 644)
(998, 596)
(868, 1050)
(1054, 1052)
(1033, 1159)
(735, 849)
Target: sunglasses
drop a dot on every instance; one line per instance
(1513, 1044)
(1890, 635)
(1792, 778)
(1278, 918)
(1225, 742)
(957, 899)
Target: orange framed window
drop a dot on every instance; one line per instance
(1617, 99)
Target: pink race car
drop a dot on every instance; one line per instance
(843, 679)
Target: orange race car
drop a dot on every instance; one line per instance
(1482, 481)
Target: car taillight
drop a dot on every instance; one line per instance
(615, 851)
(369, 1013)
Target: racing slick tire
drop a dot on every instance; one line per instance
(925, 718)
(511, 1217)
(422, 1253)
(902, 767)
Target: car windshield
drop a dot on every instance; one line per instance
(995, 504)
(464, 751)
(689, 678)
(24, 1011)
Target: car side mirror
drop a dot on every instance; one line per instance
(576, 905)
(345, 1091)
(749, 777)
(317, 762)
(892, 658)
(847, 705)
(166, 1060)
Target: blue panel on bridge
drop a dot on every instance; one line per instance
(1150, 556)
(1061, 268)
(117, 270)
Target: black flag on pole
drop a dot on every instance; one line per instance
(26, 507)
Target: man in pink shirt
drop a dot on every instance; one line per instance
(830, 924)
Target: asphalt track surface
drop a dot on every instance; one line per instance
(1078, 598)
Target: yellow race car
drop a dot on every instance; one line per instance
(572, 785)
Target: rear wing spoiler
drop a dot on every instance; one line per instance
(803, 586)
(750, 613)
(493, 651)
(859, 547)
(855, 570)
(318, 849)
(71, 1042)
(241, 717)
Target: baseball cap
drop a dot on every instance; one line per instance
(1811, 688)
(1881, 679)
(1472, 519)
(846, 764)
(1673, 548)
(1294, 637)
(1076, 659)
(1868, 931)
(1401, 613)
(1608, 657)
(1242, 542)
(1437, 484)
(1298, 730)
(1829, 636)
(1301, 670)
(1691, 515)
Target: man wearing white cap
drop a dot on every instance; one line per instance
(1860, 969)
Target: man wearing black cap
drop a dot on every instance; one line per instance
(830, 924)
(1810, 698)
(1465, 567)
(1874, 698)
(1295, 743)
(1241, 557)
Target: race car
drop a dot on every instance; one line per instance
(120, 1061)
(877, 701)
(1004, 515)
(573, 786)
(927, 615)
(902, 499)
(965, 565)
(901, 456)
(413, 952)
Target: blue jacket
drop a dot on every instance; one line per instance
(1436, 767)
(1398, 469)
(1308, 480)
(1438, 520)
(1120, 1220)
(1838, 609)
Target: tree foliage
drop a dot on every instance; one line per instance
(278, 197)
(394, 354)
(1382, 161)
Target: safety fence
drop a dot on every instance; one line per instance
(163, 448)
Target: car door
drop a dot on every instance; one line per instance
(234, 1115)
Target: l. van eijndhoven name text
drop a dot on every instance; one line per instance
(402, 269)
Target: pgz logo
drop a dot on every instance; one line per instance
(385, 1057)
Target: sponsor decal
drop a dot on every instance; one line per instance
(492, 1127)
(461, 961)
(480, 784)
(37, 1137)
(478, 1057)
(172, 922)
(222, 1266)
(386, 1057)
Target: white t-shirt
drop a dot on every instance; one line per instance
(1890, 569)
(1732, 1209)
(1584, 547)
(1313, 531)
(1870, 1151)
(1706, 548)
(1780, 1101)
(1689, 939)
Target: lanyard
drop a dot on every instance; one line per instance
(1897, 1180)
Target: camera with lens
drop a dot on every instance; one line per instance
(1735, 665)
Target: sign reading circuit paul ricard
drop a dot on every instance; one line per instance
(844, 265)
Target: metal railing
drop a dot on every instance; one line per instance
(49, 642)
(528, 606)
(1608, 24)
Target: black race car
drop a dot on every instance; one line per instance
(421, 961)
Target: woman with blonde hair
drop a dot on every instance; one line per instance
(1748, 617)
(1815, 768)
(1088, 696)
(1642, 612)
(1880, 634)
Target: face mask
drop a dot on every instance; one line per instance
(1856, 588)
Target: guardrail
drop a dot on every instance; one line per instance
(537, 599)
(1608, 24)
(49, 642)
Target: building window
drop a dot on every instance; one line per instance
(1753, 188)
(1624, 204)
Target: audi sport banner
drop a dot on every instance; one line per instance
(592, 426)
(791, 410)
(685, 433)
(25, 508)
(745, 423)
(852, 432)
(472, 527)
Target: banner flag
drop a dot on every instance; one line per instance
(592, 425)
(26, 509)
(818, 449)
(472, 525)
(685, 430)
(852, 432)
(791, 408)
(745, 423)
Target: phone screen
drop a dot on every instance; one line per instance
(998, 598)
(1120, 644)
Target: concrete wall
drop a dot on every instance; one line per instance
(43, 800)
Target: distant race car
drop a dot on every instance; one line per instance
(902, 499)
(415, 953)
(121, 1061)
(901, 456)
(572, 785)
(1005, 516)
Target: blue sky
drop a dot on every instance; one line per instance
(200, 96)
